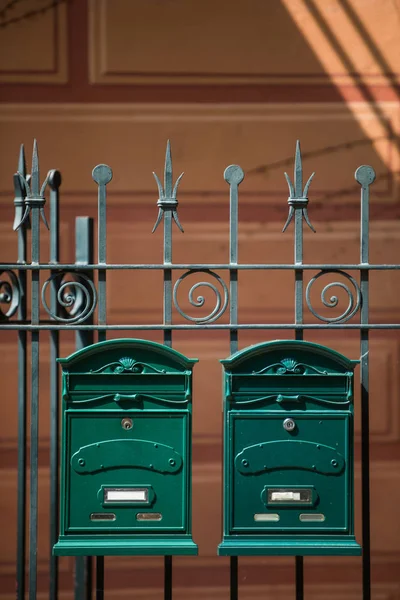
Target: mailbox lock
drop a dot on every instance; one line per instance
(289, 424)
(126, 423)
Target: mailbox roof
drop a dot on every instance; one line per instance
(161, 354)
(289, 346)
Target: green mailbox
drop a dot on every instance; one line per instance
(288, 451)
(126, 450)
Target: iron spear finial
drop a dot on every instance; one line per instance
(22, 161)
(19, 190)
(298, 172)
(168, 171)
(297, 196)
(35, 173)
(34, 194)
(167, 197)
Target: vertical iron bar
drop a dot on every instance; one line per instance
(167, 208)
(54, 183)
(102, 175)
(83, 255)
(167, 316)
(34, 202)
(298, 208)
(99, 577)
(22, 389)
(365, 458)
(34, 429)
(34, 451)
(167, 277)
(168, 342)
(233, 175)
(298, 259)
(365, 175)
(234, 578)
(299, 578)
(168, 578)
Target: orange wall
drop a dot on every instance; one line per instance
(227, 82)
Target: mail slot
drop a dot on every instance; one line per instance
(288, 458)
(126, 450)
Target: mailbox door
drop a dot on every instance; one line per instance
(294, 481)
(126, 471)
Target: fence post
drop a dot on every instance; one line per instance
(233, 175)
(298, 201)
(365, 175)
(102, 175)
(34, 205)
(167, 208)
(22, 378)
(54, 184)
(84, 255)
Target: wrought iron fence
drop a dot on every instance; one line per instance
(72, 300)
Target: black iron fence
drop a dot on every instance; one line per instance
(74, 296)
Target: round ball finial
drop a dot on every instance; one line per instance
(102, 174)
(234, 174)
(365, 175)
(54, 179)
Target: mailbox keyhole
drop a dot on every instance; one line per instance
(126, 423)
(289, 424)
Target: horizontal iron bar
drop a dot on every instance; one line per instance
(221, 266)
(227, 326)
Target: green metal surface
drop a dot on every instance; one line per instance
(116, 453)
(293, 454)
(135, 445)
(288, 457)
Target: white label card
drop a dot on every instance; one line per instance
(126, 495)
(285, 496)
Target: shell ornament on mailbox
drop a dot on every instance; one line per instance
(288, 451)
(126, 451)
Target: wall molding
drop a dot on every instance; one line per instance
(192, 49)
(44, 38)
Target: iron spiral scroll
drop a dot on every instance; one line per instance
(77, 297)
(221, 296)
(354, 296)
(10, 294)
